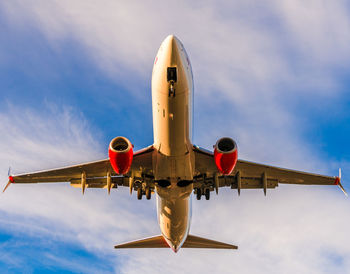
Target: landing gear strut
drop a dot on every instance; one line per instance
(172, 89)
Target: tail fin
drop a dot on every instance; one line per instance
(191, 242)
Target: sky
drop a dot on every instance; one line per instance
(274, 76)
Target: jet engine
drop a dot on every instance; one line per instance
(225, 155)
(120, 153)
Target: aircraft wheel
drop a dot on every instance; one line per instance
(139, 193)
(207, 194)
(199, 193)
(148, 193)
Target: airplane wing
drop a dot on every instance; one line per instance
(92, 174)
(249, 175)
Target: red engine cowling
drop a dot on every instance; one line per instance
(225, 155)
(120, 153)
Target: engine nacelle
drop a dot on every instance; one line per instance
(225, 155)
(120, 153)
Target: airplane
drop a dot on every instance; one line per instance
(173, 168)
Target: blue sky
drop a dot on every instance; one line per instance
(274, 77)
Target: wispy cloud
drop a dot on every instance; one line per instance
(264, 61)
(31, 141)
(252, 43)
(273, 235)
(259, 71)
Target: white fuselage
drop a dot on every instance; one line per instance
(172, 99)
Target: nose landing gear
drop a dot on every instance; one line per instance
(172, 89)
(172, 79)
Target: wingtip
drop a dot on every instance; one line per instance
(11, 180)
(338, 183)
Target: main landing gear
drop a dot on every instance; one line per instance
(206, 193)
(199, 193)
(147, 192)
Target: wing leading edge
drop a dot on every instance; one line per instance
(92, 174)
(249, 175)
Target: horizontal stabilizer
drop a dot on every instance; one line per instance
(151, 242)
(191, 242)
(198, 242)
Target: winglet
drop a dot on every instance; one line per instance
(337, 182)
(11, 180)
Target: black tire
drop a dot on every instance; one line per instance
(207, 194)
(139, 193)
(199, 193)
(148, 193)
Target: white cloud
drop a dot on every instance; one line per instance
(58, 136)
(292, 230)
(264, 45)
(32, 139)
(251, 56)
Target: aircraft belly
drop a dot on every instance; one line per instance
(171, 120)
(174, 214)
(174, 168)
(171, 137)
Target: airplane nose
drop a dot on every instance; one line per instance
(172, 48)
(171, 42)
